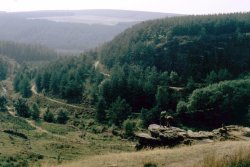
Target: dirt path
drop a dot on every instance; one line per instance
(98, 66)
(33, 89)
(32, 123)
(4, 90)
(176, 88)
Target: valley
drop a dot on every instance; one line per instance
(103, 107)
(70, 32)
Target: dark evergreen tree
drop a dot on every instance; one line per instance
(46, 81)
(54, 83)
(162, 97)
(48, 116)
(100, 110)
(119, 111)
(35, 111)
(174, 78)
(38, 82)
(25, 88)
(129, 128)
(22, 108)
(16, 82)
(190, 85)
(149, 116)
(3, 69)
(62, 116)
(224, 74)
(181, 107)
(3, 102)
(211, 77)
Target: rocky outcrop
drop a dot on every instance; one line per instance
(158, 136)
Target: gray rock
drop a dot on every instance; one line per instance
(171, 136)
(199, 135)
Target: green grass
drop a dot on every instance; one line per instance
(56, 128)
(13, 161)
(66, 145)
(61, 144)
(9, 122)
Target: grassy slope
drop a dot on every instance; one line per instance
(64, 142)
(177, 157)
(60, 142)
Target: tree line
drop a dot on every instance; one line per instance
(3, 68)
(190, 66)
(192, 46)
(25, 52)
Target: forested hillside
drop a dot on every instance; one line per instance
(3, 68)
(24, 52)
(175, 64)
(194, 69)
(191, 46)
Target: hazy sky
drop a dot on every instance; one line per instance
(168, 6)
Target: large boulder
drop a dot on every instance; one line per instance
(199, 135)
(171, 136)
(156, 130)
(146, 140)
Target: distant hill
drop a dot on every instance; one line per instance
(70, 31)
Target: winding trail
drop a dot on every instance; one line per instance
(33, 89)
(32, 124)
(96, 65)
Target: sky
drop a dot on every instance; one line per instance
(166, 6)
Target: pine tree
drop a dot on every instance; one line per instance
(54, 84)
(45, 81)
(62, 116)
(129, 128)
(38, 82)
(16, 82)
(162, 97)
(35, 112)
(174, 78)
(48, 116)
(100, 110)
(22, 108)
(119, 111)
(3, 69)
(3, 102)
(190, 84)
(212, 77)
(25, 88)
